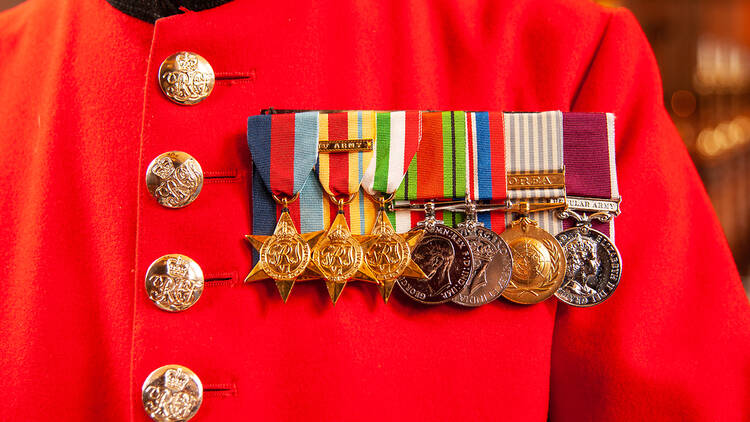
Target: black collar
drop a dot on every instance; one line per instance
(151, 10)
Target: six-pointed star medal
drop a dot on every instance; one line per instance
(388, 254)
(283, 256)
(337, 256)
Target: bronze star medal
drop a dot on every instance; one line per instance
(388, 254)
(284, 256)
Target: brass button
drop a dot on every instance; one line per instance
(186, 78)
(174, 282)
(172, 393)
(174, 178)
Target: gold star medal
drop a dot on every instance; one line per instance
(345, 149)
(283, 256)
(388, 254)
(292, 141)
(337, 256)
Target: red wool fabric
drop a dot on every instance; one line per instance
(82, 115)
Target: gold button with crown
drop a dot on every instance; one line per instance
(174, 179)
(172, 393)
(174, 282)
(186, 78)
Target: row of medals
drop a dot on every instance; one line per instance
(469, 265)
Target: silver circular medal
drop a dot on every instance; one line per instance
(593, 267)
(492, 266)
(444, 255)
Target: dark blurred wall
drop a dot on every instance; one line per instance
(703, 50)
(5, 4)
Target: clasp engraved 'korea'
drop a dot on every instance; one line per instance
(186, 78)
(172, 393)
(536, 180)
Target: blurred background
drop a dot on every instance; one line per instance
(703, 50)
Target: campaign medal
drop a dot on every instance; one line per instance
(445, 257)
(388, 254)
(594, 265)
(538, 261)
(345, 151)
(534, 172)
(492, 262)
(486, 183)
(292, 141)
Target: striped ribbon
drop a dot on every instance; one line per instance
(291, 139)
(590, 160)
(398, 136)
(284, 149)
(340, 173)
(534, 143)
(486, 164)
(438, 170)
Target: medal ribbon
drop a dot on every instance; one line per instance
(341, 173)
(438, 171)
(284, 149)
(486, 169)
(533, 144)
(590, 171)
(399, 134)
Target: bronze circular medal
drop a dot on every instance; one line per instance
(284, 255)
(186, 78)
(174, 282)
(174, 179)
(538, 262)
(172, 393)
(593, 267)
(445, 257)
(492, 266)
(338, 256)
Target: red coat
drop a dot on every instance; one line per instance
(82, 115)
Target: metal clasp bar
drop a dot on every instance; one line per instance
(522, 207)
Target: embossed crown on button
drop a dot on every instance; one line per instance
(172, 393)
(174, 179)
(186, 78)
(174, 282)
